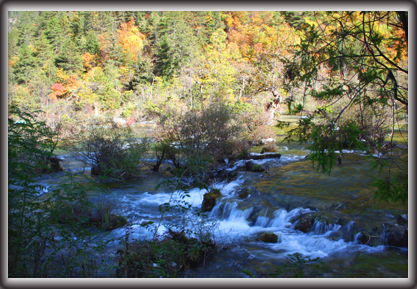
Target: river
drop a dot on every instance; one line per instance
(276, 199)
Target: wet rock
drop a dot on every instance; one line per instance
(363, 238)
(243, 193)
(402, 219)
(304, 224)
(268, 238)
(330, 218)
(398, 237)
(369, 239)
(226, 175)
(259, 203)
(384, 235)
(265, 156)
(252, 167)
(209, 200)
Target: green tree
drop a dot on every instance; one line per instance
(69, 58)
(360, 61)
(25, 66)
(175, 45)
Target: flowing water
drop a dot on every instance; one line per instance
(276, 200)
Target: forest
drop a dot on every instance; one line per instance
(219, 117)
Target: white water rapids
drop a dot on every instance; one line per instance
(229, 225)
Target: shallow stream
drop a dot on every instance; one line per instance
(276, 200)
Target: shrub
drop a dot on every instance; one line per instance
(47, 236)
(256, 127)
(73, 205)
(30, 145)
(112, 151)
(295, 266)
(211, 131)
(169, 256)
(165, 150)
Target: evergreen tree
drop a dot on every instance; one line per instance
(176, 45)
(27, 27)
(53, 32)
(69, 58)
(92, 45)
(24, 67)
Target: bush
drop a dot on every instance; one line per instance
(47, 236)
(211, 131)
(112, 151)
(30, 145)
(72, 205)
(256, 127)
(168, 257)
(165, 150)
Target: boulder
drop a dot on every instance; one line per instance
(252, 167)
(226, 175)
(243, 193)
(268, 238)
(402, 219)
(398, 237)
(209, 200)
(265, 156)
(115, 221)
(369, 240)
(304, 224)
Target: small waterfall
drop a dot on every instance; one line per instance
(384, 236)
(357, 237)
(348, 231)
(227, 210)
(280, 219)
(261, 221)
(240, 215)
(320, 228)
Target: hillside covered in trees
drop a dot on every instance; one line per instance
(72, 65)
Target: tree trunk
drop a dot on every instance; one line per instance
(272, 106)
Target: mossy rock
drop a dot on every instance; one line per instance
(398, 237)
(243, 193)
(304, 224)
(252, 167)
(209, 200)
(268, 238)
(329, 218)
(268, 150)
